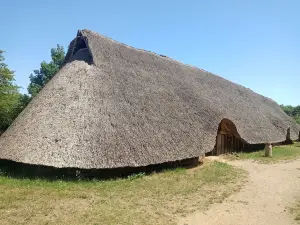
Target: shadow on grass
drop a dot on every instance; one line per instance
(18, 170)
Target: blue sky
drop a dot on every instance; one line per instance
(255, 43)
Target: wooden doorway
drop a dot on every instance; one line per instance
(228, 140)
(228, 143)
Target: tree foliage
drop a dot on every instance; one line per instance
(11, 101)
(292, 111)
(40, 77)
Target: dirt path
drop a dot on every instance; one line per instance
(263, 200)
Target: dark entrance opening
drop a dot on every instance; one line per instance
(79, 50)
(228, 140)
(288, 139)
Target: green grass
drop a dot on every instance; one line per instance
(139, 199)
(280, 153)
(296, 211)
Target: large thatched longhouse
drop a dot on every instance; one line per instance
(113, 106)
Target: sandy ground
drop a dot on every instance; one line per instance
(264, 199)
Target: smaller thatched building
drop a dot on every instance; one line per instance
(113, 106)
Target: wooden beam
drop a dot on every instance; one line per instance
(219, 144)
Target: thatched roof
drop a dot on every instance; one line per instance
(129, 107)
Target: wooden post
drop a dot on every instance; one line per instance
(268, 150)
(219, 144)
(201, 159)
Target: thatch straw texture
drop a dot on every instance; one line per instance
(133, 108)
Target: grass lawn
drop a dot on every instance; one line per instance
(280, 153)
(143, 199)
(296, 211)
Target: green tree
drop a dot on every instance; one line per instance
(40, 77)
(9, 95)
(288, 109)
(292, 111)
(23, 101)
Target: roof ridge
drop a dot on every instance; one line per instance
(143, 50)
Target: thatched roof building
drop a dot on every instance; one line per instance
(112, 105)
